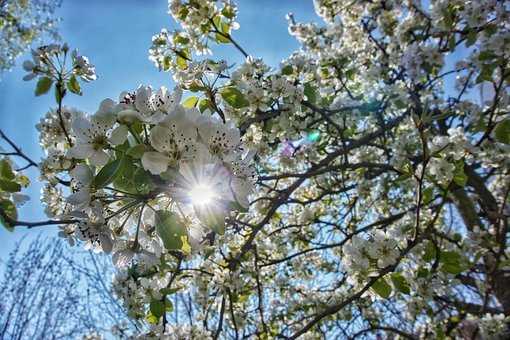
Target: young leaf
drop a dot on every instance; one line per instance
(204, 104)
(43, 86)
(108, 173)
(9, 186)
(74, 86)
(6, 170)
(502, 132)
(451, 262)
(234, 97)
(170, 230)
(9, 209)
(152, 319)
(459, 177)
(310, 93)
(400, 283)
(382, 288)
(136, 151)
(190, 102)
(287, 70)
(181, 62)
(157, 308)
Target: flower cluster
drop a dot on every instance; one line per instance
(21, 24)
(49, 65)
(150, 181)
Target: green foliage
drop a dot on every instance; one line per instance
(157, 308)
(43, 86)
(6, 170)
(172, 232)
(136, 151)
(190, 102)
(132, 178)
(74, 86)
(459, 177)
(451, 262)
(400, 283)
(108, 173)
(205, 104)
(9, 209)
(310, 93)
(234, 97)
(382, 288)
(287, 70)
(7, 178)
(502, 131)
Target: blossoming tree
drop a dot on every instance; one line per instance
(360, 188)
(22, 22)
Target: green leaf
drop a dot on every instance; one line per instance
(9, 186)
(234, 97)
(179, 39)
(74, 86)
(400, 283)
(6, 170)
(169, 306)
(43, 86)
(422, 272)
(190, 102)
(382, 288)
(136, 151)
(152, 319)
(222, 38)
(59, 94)
(471, 37)
(485, 55)
(451, 262)
(9, 209)
(502, 132)
(430, 252)
(108, 173)
(486, 72)
(157, 308)
(170, 230)
(287, 70)
(181, 62)
(428, 194)
(459, 177)
(228, 12)
(143, 181)
(310, 93)
(133, 179)
(205, 104)
(217, 22)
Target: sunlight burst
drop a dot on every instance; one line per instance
(201, 194)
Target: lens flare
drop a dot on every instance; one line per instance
(201, 194)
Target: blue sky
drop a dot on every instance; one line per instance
(116, 35)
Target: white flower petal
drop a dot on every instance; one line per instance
(99, 158)
(82, 128)
(122, 258)
(81, 151)
(82, 174)
(161, 138)
(119, 135)
(79, 198)
(129, 116)
(154, 162)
